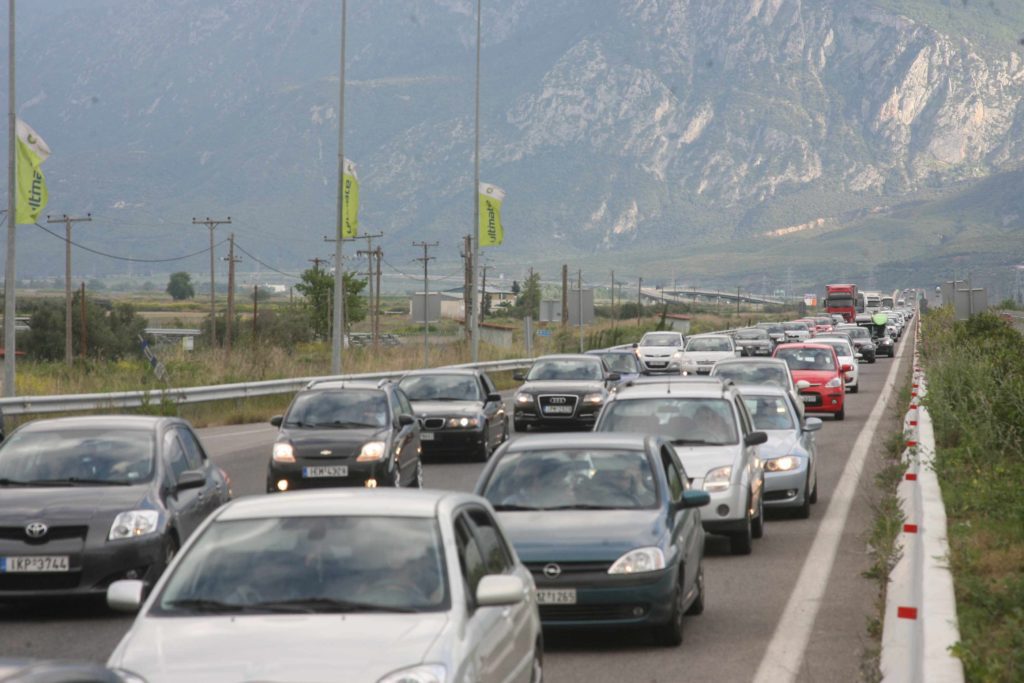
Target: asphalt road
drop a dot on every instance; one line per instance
(746, 595)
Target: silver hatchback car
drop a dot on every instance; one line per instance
(378, 586)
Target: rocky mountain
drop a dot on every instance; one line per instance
(655, 131)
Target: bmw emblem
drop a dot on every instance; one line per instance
(36, 529)
(552, 571)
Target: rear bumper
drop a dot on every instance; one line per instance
(827, 400)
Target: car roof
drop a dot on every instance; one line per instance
(578, 440)
(804, 345)
(468, 372)
(762, 390)
(565, 356)
(322, 384)
(646, 387)
(134, 422)
(751, 361)
(341, 502)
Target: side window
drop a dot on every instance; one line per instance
(741, 410)
(496, 556)
(403, 403)
(488, 385)
(174, 455)
(471, 560)
(193, 451)
(676, 479)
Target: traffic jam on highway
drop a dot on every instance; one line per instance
(603, 477)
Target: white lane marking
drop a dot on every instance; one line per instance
(785, 652)
(257, 430)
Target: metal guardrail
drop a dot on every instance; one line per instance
(32, 405)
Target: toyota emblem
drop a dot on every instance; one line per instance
(552, 571)
(36, 530)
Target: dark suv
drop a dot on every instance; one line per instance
(339, 433)
(562, 391)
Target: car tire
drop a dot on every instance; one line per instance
(670, 634)
(741, 542)
(804, 511)
(841, 415)
(855, 389)
(697, 606)
(521, 427)
(757, 526)
(814, 491)
(484, 454)
(417, 480)
(537, 668)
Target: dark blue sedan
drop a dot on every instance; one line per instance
(608, 527)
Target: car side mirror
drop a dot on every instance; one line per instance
(847, 367)
(812, 424)
(190, 479)
(738, 353)
(518, 376)
(405, 419)
(612, 377)
(494, 398)
(693, 499)
(803, 384)
(858, 355)
(277, 420)
(126, 595)
(495, 590)
(755, 439)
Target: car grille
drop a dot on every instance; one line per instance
(39, 582)
(552, 613)
(569, 568)
(433, 422)
(54, 533)
(557, 402)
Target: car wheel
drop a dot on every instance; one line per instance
(814, 491)
(841, 415)
(170, 549)
(804, 511)
(757, 526)
(396, 476)
(855, 389)
(537, 669)
(670, 634)
(417, 480)
(741, 542)
(697, 606)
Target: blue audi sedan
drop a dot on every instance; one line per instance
(607, 525)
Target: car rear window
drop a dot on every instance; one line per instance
(700, 344)
(753, 373)
(807, 358)
(681, 419)
(566, 369)
(769, 412)
(441, 388)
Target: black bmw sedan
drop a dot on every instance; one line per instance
(90, 500)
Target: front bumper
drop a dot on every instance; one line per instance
(824, 400)
(609, 601)
(93, 564)
(658, 365)
(786, 489)
(584, 416)
(697, 368)
(727, 511)
(449, 441)
(298, 476)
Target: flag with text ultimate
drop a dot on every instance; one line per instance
(31, 152)
(491, 233)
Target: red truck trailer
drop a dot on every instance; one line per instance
(842, 299)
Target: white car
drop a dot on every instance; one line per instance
(703, 351)
(660, 351)
(847, 356)
(378, 586)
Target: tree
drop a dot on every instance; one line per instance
(180, 286)
(317, 287)
(528, 301)
(110, 333)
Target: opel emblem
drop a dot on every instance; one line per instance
(36, 530)
(552, 571)
(325, 452)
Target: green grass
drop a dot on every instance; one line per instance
(975, 396)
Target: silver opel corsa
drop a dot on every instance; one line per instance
(379, 586)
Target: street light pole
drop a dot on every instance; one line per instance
(12, 218)
(337, 332)
(474, 293)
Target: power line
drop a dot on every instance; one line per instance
(125, 258)
(266, 265)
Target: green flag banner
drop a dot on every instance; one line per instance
(31, 152)
(350, 201)
(490, 231)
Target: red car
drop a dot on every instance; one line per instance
(819, 377)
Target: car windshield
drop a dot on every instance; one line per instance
(311, 564)
(857, 332)
(841, 348)
(661, 340)
(807, 359)
(342, 408)
(622, 363)
(751, 334)
(684, 420)
(109, 455)
(753, 373)
(566, 369)
(771, 329)
(794, 326)
(769, 412)
(701, 344)
(441, 388)
(572, 479)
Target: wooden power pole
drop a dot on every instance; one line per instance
(68, 221)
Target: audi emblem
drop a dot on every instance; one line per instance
(552, 571)
(557, 399)
(36, 530)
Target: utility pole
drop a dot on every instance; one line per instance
(379, 254)
(369, 253)
(614, 319)
(483, 292)
(316, 261)
(474, 307)
(737, 300)
(10, 281)
(212, 225)
(426, 258)
(255, 311)
(565, 294)
(338, 307)
(68, 221)
(229, 318)
(579, 304)
(84, 324)
(639, 305)
(467, 285)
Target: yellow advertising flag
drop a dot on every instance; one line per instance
(350, 201)
(490, 233)
(31, 152)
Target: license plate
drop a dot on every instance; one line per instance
(325, 471)
(34, 563)
(562, 596)
(809, 399)
(426, 436)
(558, 410)
(703, 370)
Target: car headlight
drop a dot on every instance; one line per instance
(639, 561)
(718, 479)
(283, 452)
(371, 451)
(593, 399)
(133, 523)
(524, 399)
(783, 464)
(462, 422)
(424, 673)
(834, 383)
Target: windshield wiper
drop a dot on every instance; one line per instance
(71, 481)
(205, 605)
(342, 424)
(513, 507)
(694, 442)
(328, 605)
(13, 482)
(586, 506)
